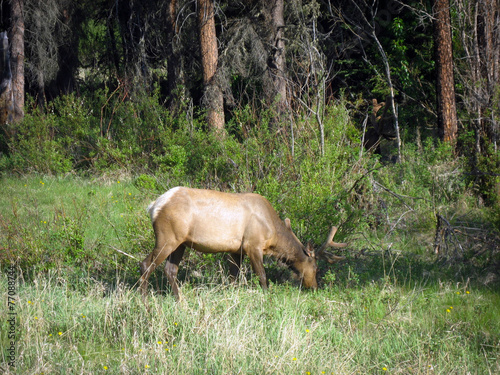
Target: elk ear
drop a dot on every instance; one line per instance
(288, 224)
(310, 249)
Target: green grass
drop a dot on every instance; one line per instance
(54, 222)
(79, 311)
(226, 329)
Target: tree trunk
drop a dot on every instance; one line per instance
(209, 57)
(445, 85)
(175, 83)
(489, 65)
(277, 62)
(17, 58)
(6, 96)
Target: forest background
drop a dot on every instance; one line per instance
(380, 117)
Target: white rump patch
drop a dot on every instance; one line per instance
(155, 207)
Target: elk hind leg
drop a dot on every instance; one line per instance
(172, 267)
(235, 260)
(149, 264)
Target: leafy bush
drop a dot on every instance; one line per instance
(35, 147)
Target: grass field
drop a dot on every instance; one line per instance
(77, 309)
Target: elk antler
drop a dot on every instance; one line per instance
(322, 253)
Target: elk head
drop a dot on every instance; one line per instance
(307, 267)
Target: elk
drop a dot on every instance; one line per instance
(381, 125)
(239, 224)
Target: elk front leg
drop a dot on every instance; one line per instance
(257, 262)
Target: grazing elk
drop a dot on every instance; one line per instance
(239, 224)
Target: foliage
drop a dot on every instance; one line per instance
(482, 169)
(35, 147)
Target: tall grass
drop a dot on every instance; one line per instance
(52, 222)
(225, 329)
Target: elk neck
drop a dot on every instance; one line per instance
(288, 248)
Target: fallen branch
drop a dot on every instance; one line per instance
(123, 252)
(444, 230)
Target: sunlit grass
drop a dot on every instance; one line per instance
(228, 329)
(97, 202)
(72, 221)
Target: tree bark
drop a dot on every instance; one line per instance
(17, 57)
(175, 82)
(489, 64)
(6, 96)
(209, 59)
(277, 62)
(445, 84)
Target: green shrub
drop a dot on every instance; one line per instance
(35, 147)
(146, 182)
